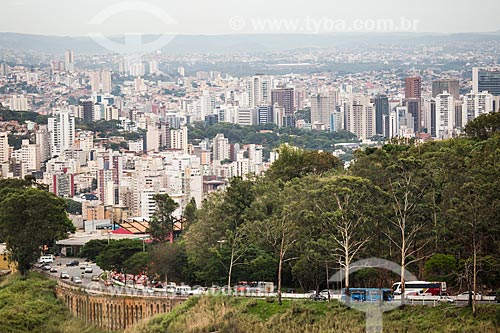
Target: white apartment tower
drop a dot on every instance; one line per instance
(61, 129)
(476, 104)
(69, 61)
(445, 115)
(221, 148)
(4, 147)
(259, 88)
(179, 139)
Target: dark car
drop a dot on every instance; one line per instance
(318, 297)
(73, 263)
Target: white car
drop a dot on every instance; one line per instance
(465, 296)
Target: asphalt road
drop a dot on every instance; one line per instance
(60, 264)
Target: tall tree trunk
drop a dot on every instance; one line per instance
(280, 266)
(474, 276)
(230, 273)
(403, 269)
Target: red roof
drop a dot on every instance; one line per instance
(121, 231)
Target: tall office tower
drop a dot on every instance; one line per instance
(322, 107)
(476, 104)
(413, 87)
(106, 82)
(451, 86)
(486, 79)
(43, 141)
(19, 103)
(258, 88)
(69, 61)
(4, 147)
(88, 110)
(264, 114)
(429, 116)
(62, 132)
(460, 116)
(247, 116)
(221, 148)
(360, 117)
(4, 69)
(414, 106)
(445, 115)
(381, 109)
(284, 97)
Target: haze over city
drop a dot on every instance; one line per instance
(69, 18)
(270, 166)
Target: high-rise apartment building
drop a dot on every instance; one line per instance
(445, 115)
(322, 107)
(259, 88)
(61, 129)
(221, 148)
(476, 104)
(19, 103)
(360, 117)
(69, 61)
(4, 147)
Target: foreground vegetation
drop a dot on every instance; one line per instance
(30, 305)
(237, 315)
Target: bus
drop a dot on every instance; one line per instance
(368, 295)
(420, 288)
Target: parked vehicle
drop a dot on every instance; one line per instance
(325, 292)
(88, 269)
(465, 296)
(368, 295)
(183, 290)
(415, 288)
(64, 275)
(53, 269)
(318, 297)
(95, 278)
(46, 268)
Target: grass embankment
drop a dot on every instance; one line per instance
(30, 305)
(236, 315)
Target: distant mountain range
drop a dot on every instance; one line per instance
(240, 43)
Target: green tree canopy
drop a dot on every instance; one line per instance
(29, 219)
(161, 225)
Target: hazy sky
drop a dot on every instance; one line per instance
(112, 17)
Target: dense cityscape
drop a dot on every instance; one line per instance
(231, 182)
